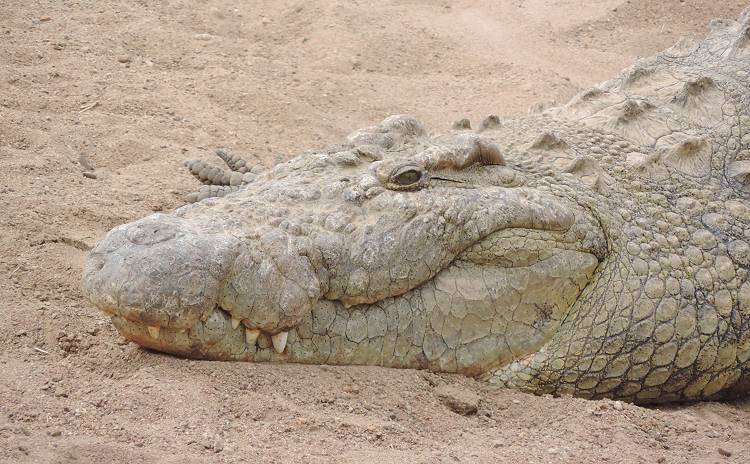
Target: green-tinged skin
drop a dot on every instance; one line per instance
(598, 249)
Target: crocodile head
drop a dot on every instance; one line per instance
(398, 249)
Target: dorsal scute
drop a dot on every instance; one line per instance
(687, 109)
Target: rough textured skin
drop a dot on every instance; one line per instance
(598, 249)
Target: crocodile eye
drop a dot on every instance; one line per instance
(408, 178)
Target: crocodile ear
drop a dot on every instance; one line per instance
(464, 151)
(475, 149)
(489, 154)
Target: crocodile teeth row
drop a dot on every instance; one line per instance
(278, 340)
(251, 335)
(155, 330)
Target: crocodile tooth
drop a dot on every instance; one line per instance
(279, 341)
(251, 336)
(153, 330)
(235, 323)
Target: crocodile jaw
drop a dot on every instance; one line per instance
(498, 298)
(469, 319)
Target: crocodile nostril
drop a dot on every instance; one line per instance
(151, 232)
(96, 262)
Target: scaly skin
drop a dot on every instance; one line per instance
(598, 249)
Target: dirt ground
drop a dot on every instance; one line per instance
(128, 90)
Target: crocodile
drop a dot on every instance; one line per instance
(597, 248)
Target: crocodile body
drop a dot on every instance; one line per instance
(599, 248)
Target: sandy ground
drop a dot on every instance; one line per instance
(127, 90)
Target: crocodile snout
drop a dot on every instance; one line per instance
(170, 282)
(161, 271)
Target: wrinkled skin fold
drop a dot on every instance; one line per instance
(598, 248)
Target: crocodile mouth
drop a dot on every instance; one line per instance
(512, 287)
(446, 289)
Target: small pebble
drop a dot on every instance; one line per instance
(89, 175)
(123, 59)
(458, 400)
